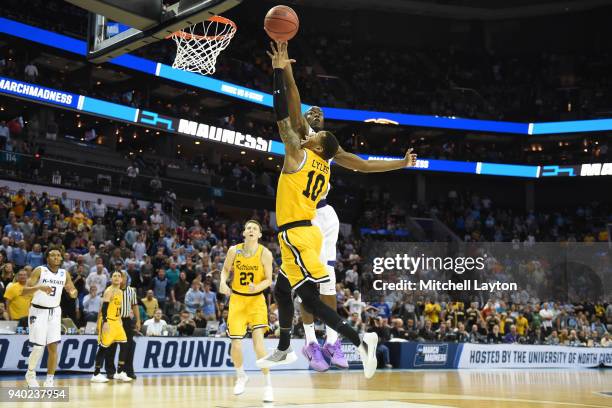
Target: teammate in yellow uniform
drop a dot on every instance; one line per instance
(304, 178)
(110, 326)
(251, 263)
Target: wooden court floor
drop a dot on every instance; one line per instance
(388, 389)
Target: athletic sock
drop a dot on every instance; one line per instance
(309, 331)
(285, 339)
(49, 377)
(268, 378)
(331, 335)
(35, 356)
(99, 359)
(240, 372)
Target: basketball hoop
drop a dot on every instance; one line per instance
(198, 46)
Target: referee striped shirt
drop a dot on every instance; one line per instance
(129, 299)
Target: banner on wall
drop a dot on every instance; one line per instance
(153, 354)
(531, 356)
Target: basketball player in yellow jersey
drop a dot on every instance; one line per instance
(304, 178)
(252, 274)
(110, 326)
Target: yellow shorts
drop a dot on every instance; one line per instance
(300, 252)
(246, 312)
(115, 333)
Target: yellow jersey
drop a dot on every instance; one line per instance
(298, 193)
(114, 306)
(247, 270)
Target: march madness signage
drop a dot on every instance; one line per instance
(153, 354)
(431, 355)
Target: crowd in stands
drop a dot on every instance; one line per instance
(477, 218)
(176, 275)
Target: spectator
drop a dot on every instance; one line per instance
(155, 326)
(19, 255)
(91, 257)
(132, 172)
(186, 325)
(351, 278)
(210, 303)
(31, 72)
(98, 232)
(172, 273)
(4, 135)
(150, 303)
(156, 219)
(20, 202)
(379, 326)
(511, 337)
(182, 288)
(195, 298)
(495, 336)
(18, 305)
(3, 312)
(99, 209)
(432, 312)
(161, 288)
(98, 277)
(547, 318)
(91, 304)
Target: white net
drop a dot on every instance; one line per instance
(198, 46)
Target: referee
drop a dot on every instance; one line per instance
(129, 304)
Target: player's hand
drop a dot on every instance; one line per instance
(73, 293)
(410, 159)
(105, 328)
(279, 56)
(46, 289)
(138, 326)
(224, 289)
(251, 287)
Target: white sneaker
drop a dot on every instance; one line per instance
(368, 355)
(100, 378)
(268, 395)
(30, 378)
(48, 383)
(241, 382)
(122, 376)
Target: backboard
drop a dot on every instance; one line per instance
(117, 27)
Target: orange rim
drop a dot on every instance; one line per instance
(216, 19)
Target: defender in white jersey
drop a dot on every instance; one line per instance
(327, 220)
(45, 316)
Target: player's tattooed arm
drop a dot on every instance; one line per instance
(289, 136)
(32, 285)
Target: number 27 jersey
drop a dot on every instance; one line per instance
(298, 193)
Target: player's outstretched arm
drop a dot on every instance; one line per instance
(32, 285)
(294, 102)
(293, 150)
(225, 272)
(353, 162)
(266, 260)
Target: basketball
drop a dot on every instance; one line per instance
(281, 23)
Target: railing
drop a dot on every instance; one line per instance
(93, 178)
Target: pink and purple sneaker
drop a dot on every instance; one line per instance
(313, 354)
(333, 353)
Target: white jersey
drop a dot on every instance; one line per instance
(56, 281)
